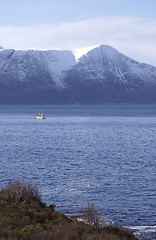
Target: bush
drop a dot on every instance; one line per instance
(92, 217)
(28, 229)
(19, 193)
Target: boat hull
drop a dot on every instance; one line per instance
(40, 117)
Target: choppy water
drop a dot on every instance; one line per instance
(80, 154)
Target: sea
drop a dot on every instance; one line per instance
(81, 154)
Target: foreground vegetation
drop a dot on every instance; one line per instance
(23, 216)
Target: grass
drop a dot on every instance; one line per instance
(23, 216)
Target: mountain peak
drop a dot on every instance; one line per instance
(1, 47)
(108, 50)
(104, 51)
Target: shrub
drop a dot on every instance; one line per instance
(28, 229)
(19, 193)
(91, 216)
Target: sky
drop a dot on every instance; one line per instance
(80, 25)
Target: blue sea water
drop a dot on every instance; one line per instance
(101, 154)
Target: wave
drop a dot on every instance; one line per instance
(144, 231)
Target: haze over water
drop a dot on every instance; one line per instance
(102, 154)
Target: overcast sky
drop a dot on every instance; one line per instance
(127, 25)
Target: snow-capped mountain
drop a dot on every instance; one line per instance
(103, 75)
(29, 75)
(106, 75)
(40, 66)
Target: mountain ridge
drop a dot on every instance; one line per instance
(103, 75)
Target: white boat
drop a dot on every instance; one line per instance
(40, 116)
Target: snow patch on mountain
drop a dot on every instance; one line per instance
(57, 62)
